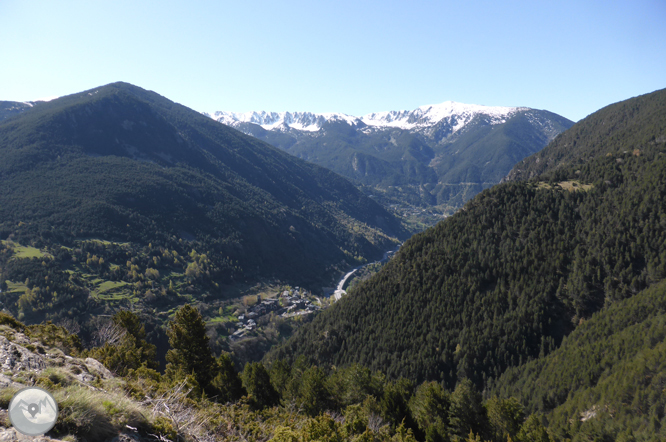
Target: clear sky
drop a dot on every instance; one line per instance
(355, 57)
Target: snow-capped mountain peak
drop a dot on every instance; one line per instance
(307, 121)
(457, 115)
(429, 115)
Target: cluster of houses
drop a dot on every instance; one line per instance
(296, 302)
(289, 303)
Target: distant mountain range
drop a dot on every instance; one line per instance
(456, 114)
(439, 154)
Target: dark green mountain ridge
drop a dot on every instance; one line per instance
(124, 164)
(11, 108)
(519, 267)
(607, 378)
(629, 124)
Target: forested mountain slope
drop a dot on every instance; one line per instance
(123, 164)
(11, 108)
(608, 376)
(518, 268)
(442, 154)
(615, 128)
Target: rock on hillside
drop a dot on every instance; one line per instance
(80, 387)
(16, 358)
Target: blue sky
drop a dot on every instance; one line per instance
(356, 57)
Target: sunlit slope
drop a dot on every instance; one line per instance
(631, 124)
(122, 163)
(507, 277)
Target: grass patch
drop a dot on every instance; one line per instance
(28, 252)
(25, 251)
(114, 296)
(103, 242)
(108, 290)
(107, 286)
(6, 395)
(16, 287)
(54, 378)
(571, 186)
(222, 319)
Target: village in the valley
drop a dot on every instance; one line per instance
(289, 303)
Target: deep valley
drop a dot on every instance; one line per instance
(461, 273)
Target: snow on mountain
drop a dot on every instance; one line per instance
(306, 121)
(457, 115)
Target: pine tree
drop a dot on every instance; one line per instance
(430, 408)
(226, 382)
(314, 394)
(257, 382)
(190, 352)
(131, 351)
(505, 417)
(533, 431)
(466, 413)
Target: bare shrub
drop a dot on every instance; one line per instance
(108, 332)
(184, 418)
(375, 422)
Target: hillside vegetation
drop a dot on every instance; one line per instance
(607, 378)
(631, 124)
(123, 165)
(521, 266)
(201, 397)
(11, 108)
(536, 313)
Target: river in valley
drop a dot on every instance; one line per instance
(339, 289)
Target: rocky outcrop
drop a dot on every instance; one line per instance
(20, 367)
(15, 357)
(96, 367)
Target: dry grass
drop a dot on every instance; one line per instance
(96, 414)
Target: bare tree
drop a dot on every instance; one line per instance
(336, 416)
(108, 332)
(70, 325)
(375, 422)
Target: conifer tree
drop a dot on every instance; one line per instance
(430, 408)
(394, 402)
(227, 383)
(533, 431)
(314, 394)
(190, 352)
(505, 416)
(257, 382)
(466, 412)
